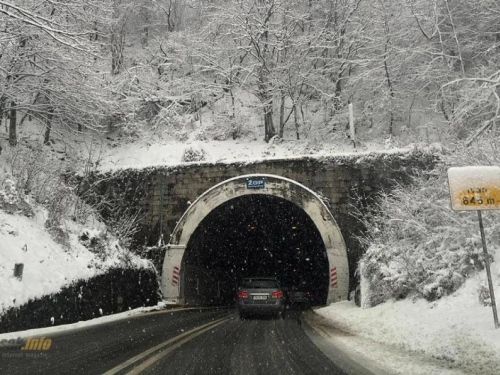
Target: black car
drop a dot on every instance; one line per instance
(299, 296)
(260, 296)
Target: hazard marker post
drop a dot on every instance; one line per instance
(477, 189)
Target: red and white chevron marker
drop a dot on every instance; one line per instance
(333, 277)
(175, 276)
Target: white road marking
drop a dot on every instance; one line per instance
(191, 334)
(137, 370)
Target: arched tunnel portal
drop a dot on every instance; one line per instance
(255, 225)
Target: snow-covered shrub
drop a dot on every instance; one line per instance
(220, 128)
(59, 234)
(8, 192)
(95, 241)
(416, 245)
(45, 178)
(36, 170)
(11, 199)
(194, 152)
(170, 122)
(26, 166)
(40, 178)
(133, 130)
(276, 140)
(106, 245)
(124, 225)
(59, 203)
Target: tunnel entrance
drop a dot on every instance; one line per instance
(214, 243)
(254, 235)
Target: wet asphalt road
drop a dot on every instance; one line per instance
(184, 342)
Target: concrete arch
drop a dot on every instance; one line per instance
(273, 185)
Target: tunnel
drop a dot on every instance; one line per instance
(255, 225)
(248, 236)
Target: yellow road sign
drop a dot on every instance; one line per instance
(474, 188)
(477, 189)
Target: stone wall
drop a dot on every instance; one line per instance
(161, 195)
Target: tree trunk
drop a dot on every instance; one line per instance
(48, 127)
(296, 122)
(145, 37)
(233, 114)
(498, 38)
(338, 92)
(264, 97)
(2, 105)
(270, 131)
(391, 94)
(388, 77)
(116, 53)
(117, 40)
(12, 124)
(304, 120)
(2, 108)
(443, 109)
(282, 115)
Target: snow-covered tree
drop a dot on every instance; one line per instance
(49, 63)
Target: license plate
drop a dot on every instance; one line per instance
(260, 297)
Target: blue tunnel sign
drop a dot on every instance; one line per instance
(256, 183)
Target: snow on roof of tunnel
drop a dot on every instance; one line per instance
(250, 160)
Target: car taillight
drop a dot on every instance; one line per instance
(242, 294)
(277, 294)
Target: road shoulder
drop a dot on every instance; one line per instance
(84, 324)
(357, 355)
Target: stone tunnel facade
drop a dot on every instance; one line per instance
(161, 195)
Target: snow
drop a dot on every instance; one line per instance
(352, 350)
(460, 177)
(456, 329)
(48, 266)
(141, 155)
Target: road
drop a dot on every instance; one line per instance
(184, 342)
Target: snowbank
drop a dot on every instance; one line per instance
(456, 328)
(161, 308)
(88, 323)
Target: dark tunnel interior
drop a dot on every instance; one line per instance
(254, 235)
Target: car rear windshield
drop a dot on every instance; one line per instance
(259, 283)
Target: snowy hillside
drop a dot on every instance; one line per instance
(46, 227)
(48, 265)
(203, 138)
